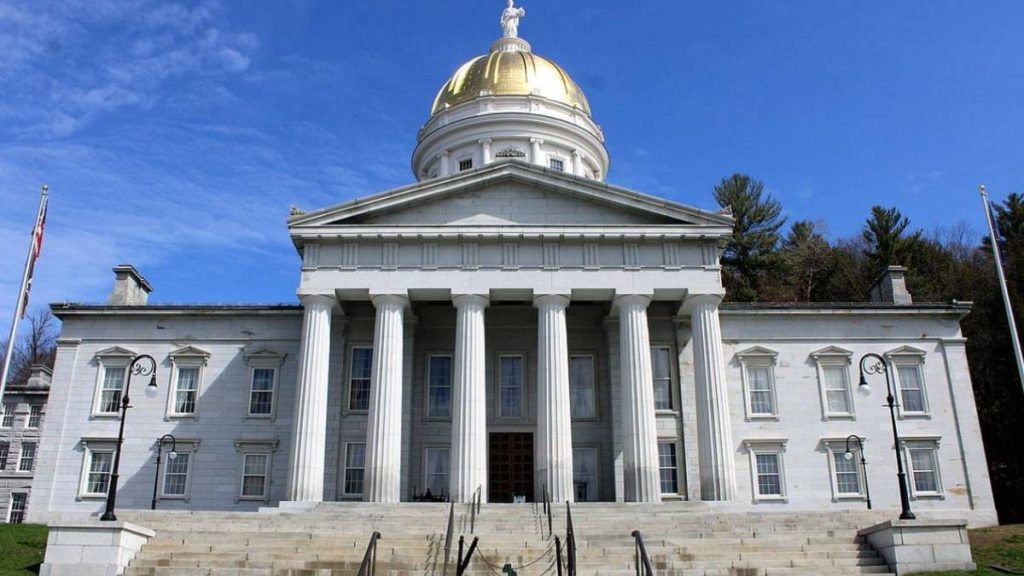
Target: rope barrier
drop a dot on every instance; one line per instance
(499, 571)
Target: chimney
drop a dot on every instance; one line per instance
(891, 287)
(39, 377)
(130, 288)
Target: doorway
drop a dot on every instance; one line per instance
(510, 470)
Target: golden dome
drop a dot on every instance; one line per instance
(510, 70)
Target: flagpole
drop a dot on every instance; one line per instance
(19, 309)
(1002, 285)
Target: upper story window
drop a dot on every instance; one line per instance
(833, 366)
(361, 368)
(264, 367)
(111, 386)
(466, 164)
(5, 450)
(510, 386)
(661, 368)
(35, 416)
(557, 164)
(186, 381)
(581, 386)
(759, 382)
(8, 418)
(27, 460)
(439, 387)
(908, 365)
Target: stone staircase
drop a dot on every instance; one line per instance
(683, 538)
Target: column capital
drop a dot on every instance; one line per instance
(642, 300)
(460, 300)
(560, 300)
(329, 300)
(485, 141)
(536, 140)
(383, 298)
(695, 301)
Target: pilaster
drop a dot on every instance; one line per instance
(554, 422)
(384, 423)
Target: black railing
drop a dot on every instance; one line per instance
(369, 565)
(642, 561)
(474, 509)
(448, 537)
(463, 564)
(558, 555)
(570, 541)
(547, 510)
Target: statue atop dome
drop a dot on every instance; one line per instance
(510, 19)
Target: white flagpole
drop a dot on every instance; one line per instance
(19, 308)
(1002, 285)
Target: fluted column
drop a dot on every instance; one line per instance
(640, 435)
(535, 155)
(469, 409)
(554, 421)
(309, 428)
(577, 163)
(485, 150)
(384, 425)
(714, 433)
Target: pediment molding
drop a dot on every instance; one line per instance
(833, 351)
(906, 351)
(189, 351)
(115, 352)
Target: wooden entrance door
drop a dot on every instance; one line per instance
(511, 467)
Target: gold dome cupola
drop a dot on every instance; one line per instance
(510, 104)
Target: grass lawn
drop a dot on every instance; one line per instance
(21, 548)
(1001, 546)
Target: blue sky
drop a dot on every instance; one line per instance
(175, 135)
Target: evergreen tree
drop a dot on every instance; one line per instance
(888, 243)
(751, 251)
(807, 260)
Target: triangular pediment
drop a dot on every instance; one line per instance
(832, 351)
(115, 352)
(510, 194)
(189, 351)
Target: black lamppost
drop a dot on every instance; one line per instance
(879, 365)
(170, 456)
(848, 456)
(134, 369)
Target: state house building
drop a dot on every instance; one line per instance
(511, 323)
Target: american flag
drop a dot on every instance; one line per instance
(37, 247)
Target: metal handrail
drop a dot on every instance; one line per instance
(369, 564)
(463, 565)
(558, 555)
(474, 509)
(448, 537)
(570, 540)
(641, 555)
(547, 510)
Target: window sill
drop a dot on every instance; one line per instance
(844, 417)
(173, 497)
(585, 419)
(672, 497)
(775, 499)
(915, 415)
(763, 417)
(849, 498)
(437, 419)
(666, 412)
(928, 496)
(182, 417)
(105, 415)
(92, 497)
(259, 416)
(251, 499)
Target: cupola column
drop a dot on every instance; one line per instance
(640, 434)
(445, 168)
(577, 163)
(309, 427)
(384, 425)
(714, 434)
(554, 421)
(535, 156)
(485, 151)
(469, 415)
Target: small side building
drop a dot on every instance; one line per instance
(24, 410)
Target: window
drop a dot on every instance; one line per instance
(359, 380)
(661, 367)
(19, 503)
(510, 387)
(911, 385)
(97, 477)
(557, 164)
(186, 389)
(35, 416)
(847, 474)
(584, 474)
(355, 468)
(176, 475)
(8, 419)
(254, 476)
(581, 387)
(436, 470)
(27, 460)
(923, 461)
(5, 450)
(767, 473)
(758, 366)
(261, 391)
(668, 467)
(439, 387)
(466, 164)
(110, 390)
(836, 383)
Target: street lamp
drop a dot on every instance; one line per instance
(170, 456)
(878, 365)
(848, 456)
(134, 369)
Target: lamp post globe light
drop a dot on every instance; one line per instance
(141, 365)
(863, 463)
(173, 454)
(875, 364)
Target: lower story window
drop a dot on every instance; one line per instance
(924, 470)
(584, 474)
(847, 474)
(355, 468)
(437, 460)
(97, 480)
(176, 474)
(27, 460)
(19, 503)
(767, 469)
(255, 469)
(668, 467)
